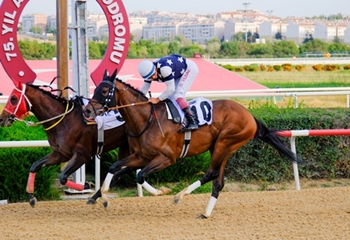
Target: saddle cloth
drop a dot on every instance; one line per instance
(109, 120)
(201, 107)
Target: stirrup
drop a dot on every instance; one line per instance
(190, 127)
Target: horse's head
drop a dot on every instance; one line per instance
(16, 107)
(104, 96)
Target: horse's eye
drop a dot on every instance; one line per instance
(14, 100)
(104, 92)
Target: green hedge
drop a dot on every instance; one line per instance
(328, 155)
(254, 161)
(16, 162)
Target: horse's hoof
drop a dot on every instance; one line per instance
(164, 190)
(89, 185)
(105, 204)
(91, 201)
(32, 202)
(176, 200)
(202, 216)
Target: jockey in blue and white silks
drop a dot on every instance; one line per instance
(178, 73)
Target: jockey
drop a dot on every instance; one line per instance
(178, 73)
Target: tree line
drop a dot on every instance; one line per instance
(33, 50)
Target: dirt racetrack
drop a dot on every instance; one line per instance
(306, 214)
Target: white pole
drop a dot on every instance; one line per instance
(295, 165)
(97, 173)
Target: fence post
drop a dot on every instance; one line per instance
(295, 165)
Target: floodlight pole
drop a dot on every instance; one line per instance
(246, 4)
(270, 12)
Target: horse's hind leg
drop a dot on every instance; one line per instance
(215, 174)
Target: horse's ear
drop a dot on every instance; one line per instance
(105, 74)
(114, 74)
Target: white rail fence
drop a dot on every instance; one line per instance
(277, 92)
(292, 134)
(279, 61)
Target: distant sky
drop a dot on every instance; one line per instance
(280, 8)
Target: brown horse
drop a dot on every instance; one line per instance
(232, 126)
(70, 138)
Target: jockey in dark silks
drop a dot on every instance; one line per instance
(178, 73)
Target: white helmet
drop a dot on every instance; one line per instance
(146, 69)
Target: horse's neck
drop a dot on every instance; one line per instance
(134, 115)
(43, 105)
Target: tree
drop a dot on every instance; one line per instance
(240, 37)
(285, 48)
(213, 48)
(260, 49)
(229, 49)
(314, 45)
(94, 51)
(188, 51)
(174, 47)
(338, 47)
(308, 38)
(35, 29)
(242, 48)
(336, 39)
(278, 35)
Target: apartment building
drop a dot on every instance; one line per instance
(34, 20)
(232, 27)
(297, 32)
(51, 21)
(160, 26)
(268, 30)
(160, 31)
(347, 35)
(202, 31)
(328, 31)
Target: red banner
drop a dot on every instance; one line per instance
(10, 55)
(17, 69)
(118, 41)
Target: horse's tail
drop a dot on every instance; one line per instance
(270, 137)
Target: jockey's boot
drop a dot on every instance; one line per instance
(192, 122)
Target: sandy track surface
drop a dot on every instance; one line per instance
(306, 214)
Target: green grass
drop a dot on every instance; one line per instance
(306, 78)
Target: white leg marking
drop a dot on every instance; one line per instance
(186, 191)
(150, 189)
(192, 187)
(107, 182)
(210, 206)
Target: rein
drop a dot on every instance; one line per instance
(32, 124)
(148, 122)
(126, 105)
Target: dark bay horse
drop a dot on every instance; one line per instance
(70, 138)
(232, 126)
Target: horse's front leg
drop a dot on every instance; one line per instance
(117, 169)
(50, 159)
(107, 184)
(158, 163)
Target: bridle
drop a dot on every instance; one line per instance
(24, 102)
(109, 99)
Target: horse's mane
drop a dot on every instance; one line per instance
(75, 100)
(56, 97)
(132, 87)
